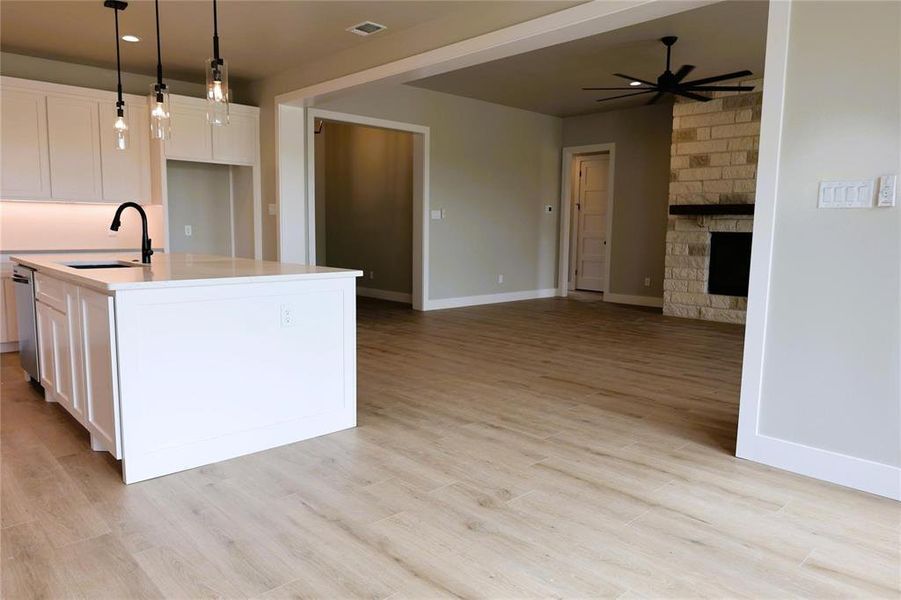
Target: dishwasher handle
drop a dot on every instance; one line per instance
(20, 279)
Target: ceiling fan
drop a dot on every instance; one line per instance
(671, 83)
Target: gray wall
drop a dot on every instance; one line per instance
(492, 169)
(199, 197)
(831, 362)
(641, 190)
(368, 202)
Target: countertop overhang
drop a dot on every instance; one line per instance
(174, 270)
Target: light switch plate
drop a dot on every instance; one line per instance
(437, 214)
(888, 186)
(189, 231)
(272, 209)
(846, 194)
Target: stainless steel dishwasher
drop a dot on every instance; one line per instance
(23, 277)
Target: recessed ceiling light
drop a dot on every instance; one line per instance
(635, 83)
(130, 38)
(366, 28)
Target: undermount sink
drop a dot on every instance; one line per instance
(106, 265)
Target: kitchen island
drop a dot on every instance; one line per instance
(195, 359)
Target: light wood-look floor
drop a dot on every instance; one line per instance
(551, 448)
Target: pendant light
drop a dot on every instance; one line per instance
(216, 81)
(120, 126)
(160, 121)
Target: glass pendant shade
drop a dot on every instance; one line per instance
(120, 127)
(217, 92)
(160, 115)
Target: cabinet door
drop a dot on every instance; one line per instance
(191, 137)
(10, 323)
(45, 347)
(24, 162)
(75, 365)
(125, 173)
(101, 384)
(236, 143)
(56, 355)
(74, 134)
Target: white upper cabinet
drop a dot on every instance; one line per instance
(25, 171)
(58, 144)
(236, 143)
(73, 127)
(196, 140)
(126, 173)
(191, 138)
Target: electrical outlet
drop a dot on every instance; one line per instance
(500, 278)
(647, 282)
(188, 231)
(287, 315)
(272, 209)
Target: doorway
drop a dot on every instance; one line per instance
(364, 205)
(592, 187)
(420, 185)
(586, 223)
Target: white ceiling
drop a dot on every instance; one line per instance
(720, 38)
(258, 37)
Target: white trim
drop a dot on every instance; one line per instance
(421, 149)
(849, 471)
(571, 153)
(389, 295)
(652, 301)
(9, 347)
(855, 472)
(442, 303)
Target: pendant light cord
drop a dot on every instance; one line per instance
(120, 103)
(215, 33)
(159, 56)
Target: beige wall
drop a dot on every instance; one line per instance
(55, 71)
(831, 361)
(492, 169)
(368, 203)
(641, 182)
(199, 197)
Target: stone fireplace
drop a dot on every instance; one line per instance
(712, 186)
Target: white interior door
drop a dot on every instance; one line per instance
(591, 232)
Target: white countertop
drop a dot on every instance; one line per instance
(173, 270)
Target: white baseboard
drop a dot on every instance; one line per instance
(385, 295)
(9, 347)
(442, 303)
(834, 467)
(651, 301)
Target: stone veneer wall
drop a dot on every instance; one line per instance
(713, 161)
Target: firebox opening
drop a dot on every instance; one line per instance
(730, 263)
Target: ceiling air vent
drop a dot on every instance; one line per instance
(366, 28)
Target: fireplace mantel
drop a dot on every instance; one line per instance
(695, 210)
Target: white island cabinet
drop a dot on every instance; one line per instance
(196, 359)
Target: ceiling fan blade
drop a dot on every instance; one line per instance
(693, 96)
(630, 78)
(683, 72)
(634, 88)
(624, 96)
(656, 97)
(716, 78)
(717, 88)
